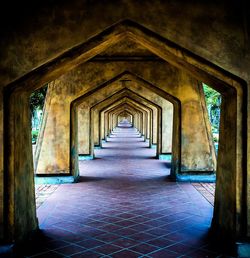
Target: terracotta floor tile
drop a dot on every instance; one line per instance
(144, 248)
(126, 254)
(125, 242)
(181, 248)
(91, 243)
(70, 250)
(108, 237)
(164, 253)
(160, 242)
(124, 206)
(202, 254)
(87, 254)
(142, 237)
(107, 249)
(50, 254)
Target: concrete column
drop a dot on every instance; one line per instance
(54, 148)
(21, 207)
(1, 166)
(83, 112)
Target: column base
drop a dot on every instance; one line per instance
(53, 180)
(243, 249)
(153, 146)
(205, 178)
(166, 156)
(7, 250)
(85, 157)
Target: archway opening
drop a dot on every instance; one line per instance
(213, 104)
(231, 161)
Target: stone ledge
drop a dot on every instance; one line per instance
(166, 156)
(207, 178)
(85, 157)
(153, 146)
(243, 250)
(55, 179)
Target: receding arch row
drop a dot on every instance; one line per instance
(101, 87)
(125, 115)
(230, 166)
(127, 105)
(146, 123)
(73, 146)
(156, 113)
(135, 99)
(150, 87)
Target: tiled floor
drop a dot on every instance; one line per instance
(124, 206)
(207, 190)
(43, 192)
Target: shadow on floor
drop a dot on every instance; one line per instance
(45, 244)
(90, 179)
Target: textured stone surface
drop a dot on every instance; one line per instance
(72, 23)
(43, 192)
(215, 30)
(197, 154)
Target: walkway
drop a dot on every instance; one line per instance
(124, 206)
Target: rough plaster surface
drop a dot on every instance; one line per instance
(196, 152)
(215, 30)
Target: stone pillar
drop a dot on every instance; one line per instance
(1, 166)
(54, 148)
(83, 112)
(19, 187)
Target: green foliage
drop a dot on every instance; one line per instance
(213, 101)
(34, 135)
(37, 99)
(212, 96)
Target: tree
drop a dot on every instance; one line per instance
(37, 99)
(213, 101)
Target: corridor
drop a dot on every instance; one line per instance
(124, 205)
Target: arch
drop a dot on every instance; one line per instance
(176, 151)
(74, 126)
(153, 116)
(137, 105)
(125, 114)
(229, 217)
(159, 112)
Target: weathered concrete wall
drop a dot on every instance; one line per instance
(83, 130)
(1, 167)
(224, 43)
(96, 128)
(165, 77)
(54, 159)
(192, 108)
(19, 185)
